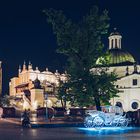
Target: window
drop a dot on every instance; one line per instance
(119, 104)
(134, 105)
(135, 82)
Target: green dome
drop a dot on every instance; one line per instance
(117, 57)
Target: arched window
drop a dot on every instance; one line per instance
(119, 104)
(134, 105)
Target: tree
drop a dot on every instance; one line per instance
(4, 101)
(62, 93)
(82, 44)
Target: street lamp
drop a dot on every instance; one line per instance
(46, 97)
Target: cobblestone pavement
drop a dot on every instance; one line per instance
(11, 131)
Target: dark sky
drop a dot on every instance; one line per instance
(25, 35)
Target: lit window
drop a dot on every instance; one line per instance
(134, 82)
(134, 105)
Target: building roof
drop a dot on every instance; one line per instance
(115, 32)
(22, 85)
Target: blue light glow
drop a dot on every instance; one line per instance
(107, 130)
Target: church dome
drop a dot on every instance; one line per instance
(117, 57)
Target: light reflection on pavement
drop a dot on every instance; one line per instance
(108, 130)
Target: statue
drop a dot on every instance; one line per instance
(135, 69)
(127, 71)
(36, 83)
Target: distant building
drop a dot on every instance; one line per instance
(22, 85)
(124, 65)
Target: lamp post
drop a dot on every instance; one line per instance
(46, 97)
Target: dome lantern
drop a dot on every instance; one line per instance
(115, 40)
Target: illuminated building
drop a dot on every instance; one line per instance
(120, 61)
(124, 65)
(22, 86)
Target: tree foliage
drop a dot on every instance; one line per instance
(4, 101)
(82, 44)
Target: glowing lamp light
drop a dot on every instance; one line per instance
(35, 105)
(25, 105)
(49, 103)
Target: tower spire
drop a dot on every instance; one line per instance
(29, 66)
(19, 69)
(24, 65)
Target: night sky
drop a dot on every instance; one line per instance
(25, 34)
